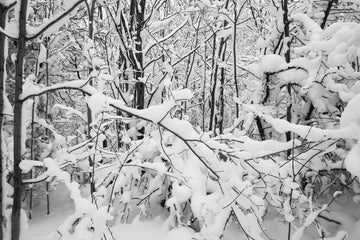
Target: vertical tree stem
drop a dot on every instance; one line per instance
(15, 217)
(204, 92)
(287, 59)
(288, 109)
(46, 118)
(91, 10)
(234, 59)
(2, 84)
(31, 156)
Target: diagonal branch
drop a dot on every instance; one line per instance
(53, 21)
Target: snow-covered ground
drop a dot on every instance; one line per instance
(44, 227)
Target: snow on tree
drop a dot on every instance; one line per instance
(204, 117)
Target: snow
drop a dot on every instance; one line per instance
(309, 220)
(351, 115)
(338, 57)
(272, 63)
(27, 165)
(6, 2)
(26, 116)
(70, 111)
(310, 25)
(182, 94)
(270, 146)
(43, 227)
(203, 184)
(11, 29)
(174, 31)
(351, 131)
(249, 224)
(31, 89)
(8, 109)
(54, 23)
(42, 54)
(97, 103)
(352, 160)
(181, 193)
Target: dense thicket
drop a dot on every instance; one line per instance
(210, 113)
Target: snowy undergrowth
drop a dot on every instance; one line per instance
(191, 184)
(200, 184)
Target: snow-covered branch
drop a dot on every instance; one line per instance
(147, 49)
(52, 21)
(31, 90)
(8, 3)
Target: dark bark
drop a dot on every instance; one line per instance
(204, 92)
(47, 118)
(130, 31)
(91, 12)
(234, 60)
(327, 13)
(213, 89)
(220, 118)
(91, 19)
(191, 60)
(221, 55)
(137, 15)
(287, 59)
(260, 127)
(15, 217)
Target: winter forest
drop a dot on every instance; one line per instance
(180, 119)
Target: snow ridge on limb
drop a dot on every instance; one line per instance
(7, 3)
(147, 49)
(349, 129)
(310, 25)
(32, 90)
(352, 131)
(58, 19)
(32, 33)
(12, 34)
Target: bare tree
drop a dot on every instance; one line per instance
(21, 43)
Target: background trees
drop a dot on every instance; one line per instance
(220, 113)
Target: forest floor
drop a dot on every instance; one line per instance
(43, 226)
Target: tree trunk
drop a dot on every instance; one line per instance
(138, 66)
(2, 83)
(15, 218)
(204, 92)
(234, 59)
(287, 59)
(213, 88)
(91, 10)
(46, 119)
(221, 55)
(220, 118)
(288, 109)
